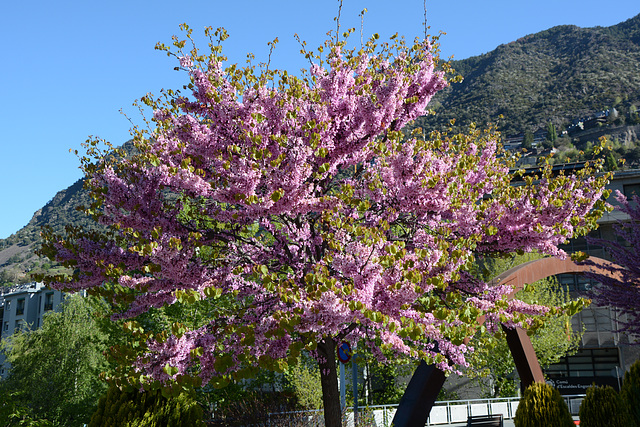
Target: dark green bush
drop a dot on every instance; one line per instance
(542, 405)
(630, 393)
(147, 409)
(603, 407)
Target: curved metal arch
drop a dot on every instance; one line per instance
(519, 343)
(427, 381)
(532, 271)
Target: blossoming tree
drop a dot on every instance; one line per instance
(299, 207)
(620, 282)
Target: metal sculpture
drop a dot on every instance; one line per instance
(427, 380)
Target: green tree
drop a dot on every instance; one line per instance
(527, 142)
(552, 135)
(634, 117)
(384, 381)
(610, 163)
(304, 379)
(54, 372)
(492, 359)
(14, 413)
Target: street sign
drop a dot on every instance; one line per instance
(344, 352)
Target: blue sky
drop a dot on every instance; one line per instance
(69, 67)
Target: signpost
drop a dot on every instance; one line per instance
(344, 352)
(344, 355)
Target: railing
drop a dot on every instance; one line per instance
(312, 418)
(457, 411)
(442, 413)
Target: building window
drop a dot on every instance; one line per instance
(631, 190)
(19, 325)
(20, 307)
(6, 326)
(48, 301)
(8, 306)
(581, 244)
(596, 362)
(576, 285)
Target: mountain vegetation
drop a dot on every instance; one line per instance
(17, 252)
(18, 258)
(555, 77)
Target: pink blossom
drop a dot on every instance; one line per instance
(299, 203)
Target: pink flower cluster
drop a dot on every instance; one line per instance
(620, 281)
(299, 200)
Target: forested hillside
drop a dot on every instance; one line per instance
(17, 251)
(554, 76)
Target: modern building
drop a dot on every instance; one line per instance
(24, 306)
(604, 354)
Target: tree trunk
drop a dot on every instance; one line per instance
(329, 381)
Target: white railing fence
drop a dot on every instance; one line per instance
(442, 413)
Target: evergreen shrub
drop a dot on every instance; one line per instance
(630, 393)
(146, 409)
(603, 407)
(542, 405)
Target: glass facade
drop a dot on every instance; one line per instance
(587, 362)
(604, 353)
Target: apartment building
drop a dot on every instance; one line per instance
(24, 306)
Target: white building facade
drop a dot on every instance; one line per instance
(22, 307)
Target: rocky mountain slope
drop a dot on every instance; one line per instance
(553, 76)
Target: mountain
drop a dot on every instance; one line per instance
(17, 252)
(17, 257)
(554, 76)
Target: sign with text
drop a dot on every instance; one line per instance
(579, 385)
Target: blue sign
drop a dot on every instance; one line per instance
(344, 352)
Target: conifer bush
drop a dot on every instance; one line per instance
(630, 393)
(603, 407)
(146, 409)
(542, 405)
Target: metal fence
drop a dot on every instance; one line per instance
(442, 413)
